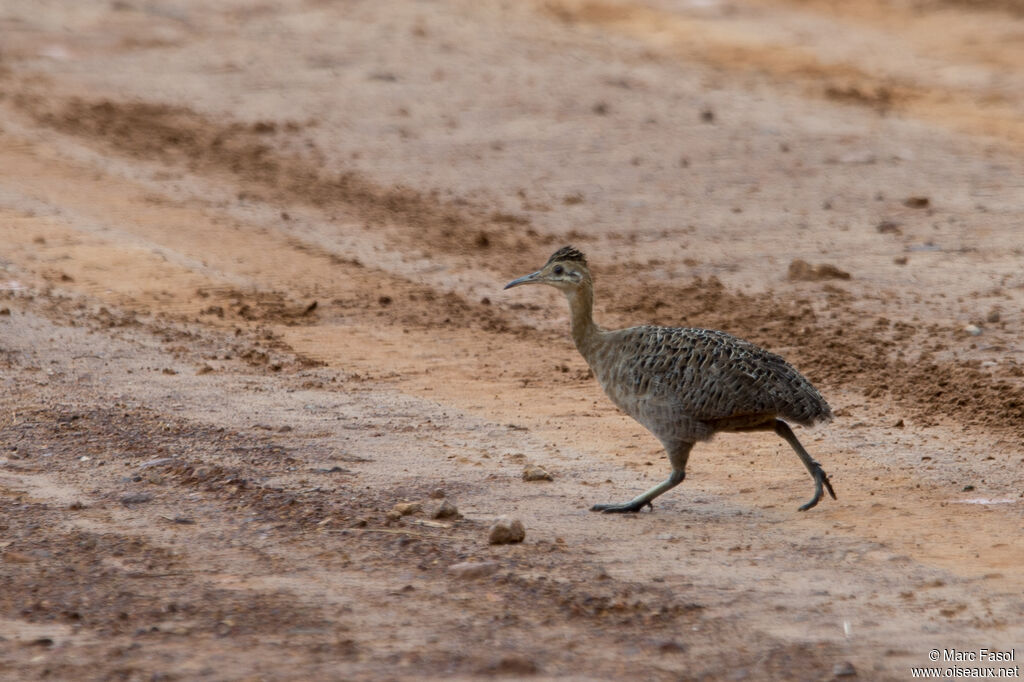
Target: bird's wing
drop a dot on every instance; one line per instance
(708, 375)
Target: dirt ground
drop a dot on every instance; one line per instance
(251, 270)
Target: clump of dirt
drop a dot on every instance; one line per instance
(414, 305)
(262, 306)
(878, 96)
(801, 270)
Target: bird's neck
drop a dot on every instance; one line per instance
(581, 309)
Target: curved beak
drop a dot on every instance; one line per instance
(532, 278)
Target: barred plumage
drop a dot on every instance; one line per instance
(685, 384)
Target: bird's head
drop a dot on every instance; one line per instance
(566, 270)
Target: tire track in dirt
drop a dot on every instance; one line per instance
(218, 479)
(453, 358)
(447, 348)
(178, 136)
(237, 491)
(161, 261)
(743, 49)
(839, 352)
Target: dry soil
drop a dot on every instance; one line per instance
(251, 269)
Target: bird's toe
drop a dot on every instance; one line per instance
(626, 507)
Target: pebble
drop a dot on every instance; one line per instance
(536, 473)
(473, 569)
(445, 510)
(671, 646)
(802, 270)
(506, 531)
(993, 316)
(844, 669)
(973, 329)
(513, 664)
(136, 498)
(163, 461)
(407, 508)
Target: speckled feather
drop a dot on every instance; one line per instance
(684, 384)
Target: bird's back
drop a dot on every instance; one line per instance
(687, 383)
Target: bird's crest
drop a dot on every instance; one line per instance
(568, 253)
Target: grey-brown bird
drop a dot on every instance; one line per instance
(685, 384)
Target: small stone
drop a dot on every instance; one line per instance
(506, 531)
(533, 472)
(993, 316)
(393, 515)
(473, 569)
(437, 494)
(407, 508)
(513, 664)
(135, 498)
(670, 646)
(161, 462)
(844, 669)
(917, 202)
(445, 510)
(804, 271)
(889, 227)
(973, 329)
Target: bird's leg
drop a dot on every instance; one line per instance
(641, 501)
(817, 473)
(677, 456)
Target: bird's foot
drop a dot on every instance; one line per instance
(632, 506)
(820, 479)
(809, 505)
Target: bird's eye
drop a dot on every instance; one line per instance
(558, 270)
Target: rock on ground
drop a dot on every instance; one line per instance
(506, 531)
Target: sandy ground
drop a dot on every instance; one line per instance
(251, 259)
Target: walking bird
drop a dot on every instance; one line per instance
(685, 384)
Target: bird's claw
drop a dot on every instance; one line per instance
(626, 507)
(820, 479)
